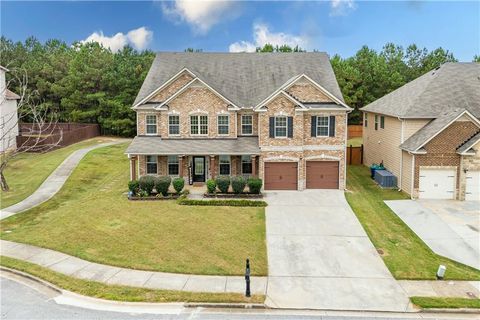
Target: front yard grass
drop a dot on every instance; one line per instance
(26, 172)
(122, 293)
(448, 303)
(91, 218)
(404, 253)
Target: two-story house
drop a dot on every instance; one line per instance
(278, 116)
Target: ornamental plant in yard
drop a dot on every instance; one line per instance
(211, 186)
(223, 182)
(146, 183)
(133, 186)
(238, 184)
(162, 184)
(178, 184)
(255, 185)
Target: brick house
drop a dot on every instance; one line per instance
(278, 116)
(427, 133)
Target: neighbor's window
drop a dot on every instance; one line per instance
(225, 165)
(382, 122)
(246, 164)
(151, 164)
(280, 126)
(173, 168)
(376, 122)
(322, 126)
(247, 124)
(151, 124)
(173, 125)
(223, 125)
(199, 125)
(365, 121)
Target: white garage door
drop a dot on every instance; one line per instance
(472, 188)
(436, 184)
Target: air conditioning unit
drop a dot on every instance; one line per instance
(385, 179)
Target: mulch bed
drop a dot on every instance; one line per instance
(232, 195)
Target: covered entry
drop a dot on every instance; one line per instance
(281, 175)
(322, 174)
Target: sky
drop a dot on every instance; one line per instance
(334, 26)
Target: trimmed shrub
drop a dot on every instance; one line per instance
(223, 182)
(146, 183)
(211, 186)
(133, 186)
(178, 184)
(162, 183)
(238, 184)
(255, 185)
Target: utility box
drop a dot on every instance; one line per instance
(385, 179)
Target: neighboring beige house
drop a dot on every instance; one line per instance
(427, 133)
(8, 115)
(278, 116)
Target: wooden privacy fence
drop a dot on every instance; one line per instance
(63, 133)
(354, 131)
(355, 155)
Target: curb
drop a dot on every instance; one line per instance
(225, 305)
(451, 310)
(33, 278)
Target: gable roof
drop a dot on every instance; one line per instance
(463, 149)
(449, 87)
(433, 128)
(243, 78)
(9, 95)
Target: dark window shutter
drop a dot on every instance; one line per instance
(290, 127)
(272, 127)
(382, 122)
(332, 127)
(313, 128)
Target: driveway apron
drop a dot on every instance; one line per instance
(319, 256)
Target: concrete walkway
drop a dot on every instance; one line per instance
(319, 256)
(54, 181)
(450, 228)
(86, 270)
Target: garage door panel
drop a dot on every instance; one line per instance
(472, 185)
(437, 184)
(281, 175)
(322, 174)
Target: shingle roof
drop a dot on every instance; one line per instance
(157, 145)
(244, 78)
(419, 138)
(9, 95)
(470, 143)
(452, 86)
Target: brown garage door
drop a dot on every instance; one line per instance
(322, 174)
(280, 176)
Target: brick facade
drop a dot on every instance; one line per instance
(173, 87)
(469, 163)
(305, 91)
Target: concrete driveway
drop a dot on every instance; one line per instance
(319, 256)
(450, 228)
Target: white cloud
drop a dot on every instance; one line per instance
(200, 14)
(138, 38)
(342, 7)
(262, 35)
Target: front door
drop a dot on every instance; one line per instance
(198, 169)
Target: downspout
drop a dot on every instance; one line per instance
(345, 149)
(401, 155)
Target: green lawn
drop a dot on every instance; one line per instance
(449, 303)
(92, 219)
(355, 142)
(404, 253)
(26, 172)
(123, 293)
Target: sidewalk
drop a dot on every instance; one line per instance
(86, 270)
(54, 181)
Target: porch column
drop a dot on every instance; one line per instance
(212, 166)
(180, 166)
(254, 168)
(133, 168)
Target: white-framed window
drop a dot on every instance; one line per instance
(224, 165)
(280, 127)
(246, 164)
(223, 124)
(323, 126)
(365, 120)
(173, 125)
(152, 164)
(376, 122)
(199, 125)
(172, 164)
(247, 124)
(151, 123)
(382, 122)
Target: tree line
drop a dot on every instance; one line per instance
(86, 82)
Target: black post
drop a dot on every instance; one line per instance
(350, 154)
(247, 278)
(361, 154)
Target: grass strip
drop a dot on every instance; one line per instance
(445, 303)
